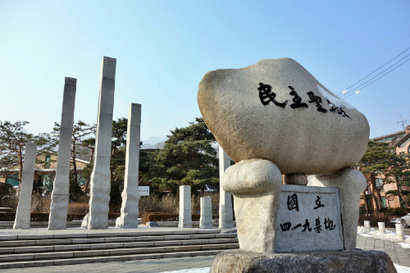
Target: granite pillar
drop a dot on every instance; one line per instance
(225, 198)
(205, 220)
(256, 187)
(130, 194)
(185, 214)
(23, 211)
(101, 176)
(61, 185)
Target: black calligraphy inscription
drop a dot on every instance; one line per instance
(297, 101)
(317, 100)
(318, 203)
(297, 226)
(333, 107)
(306, 226)
(293, 202)
(266, 95)
(318, 226)
(337, 109)
(285, 226)
(329, 224)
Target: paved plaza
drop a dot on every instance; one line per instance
(398, 255)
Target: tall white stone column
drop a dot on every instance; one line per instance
(60, 194)
(185, 214)
(225, 198)
(23, 211)
(130, 194)
(101, 176)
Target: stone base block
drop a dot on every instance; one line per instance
(353, 261)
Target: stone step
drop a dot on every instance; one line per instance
(18, 249)
(112, 252)
(174, 240)
(118, 258)
(97, 234)
(110, 239)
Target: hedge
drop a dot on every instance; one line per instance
(160, 216)
(42, 216)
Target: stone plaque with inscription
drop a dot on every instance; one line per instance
(309, 219)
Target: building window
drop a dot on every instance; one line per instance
(379, 183)
(47, 162)
(384, 202)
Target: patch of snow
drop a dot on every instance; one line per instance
(339, 102)
(404, 245)
(402, 269)
(389, 236)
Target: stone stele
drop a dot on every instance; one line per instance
(276, 110)
(130, 194)
(185, 214)
(100, 176)
(60, 194)
(23, 210)
(225, 198)
(205, 220)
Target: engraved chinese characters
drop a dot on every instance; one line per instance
(266, 96)
(310, 215)
(293, 204)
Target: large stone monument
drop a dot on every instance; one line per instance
(274, 118)
(130, 194)
(60, 194)
(23, 210)
(97, 218)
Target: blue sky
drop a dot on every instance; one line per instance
(163, 48)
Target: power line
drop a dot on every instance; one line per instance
(364, 85)
(374, 71)
(382, 53)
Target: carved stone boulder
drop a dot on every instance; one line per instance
(276, 110)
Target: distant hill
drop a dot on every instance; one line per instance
(153, 142)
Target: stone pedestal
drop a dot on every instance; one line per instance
(225, 198)
(60, 194)
(130, 194)
(23, 211)
(205, 221)
(256, 187)
(351, 261)
(185, 214)
(101, 175)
